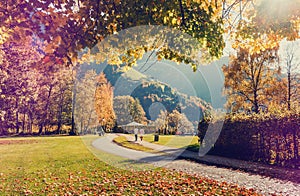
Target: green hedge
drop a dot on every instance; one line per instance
(265, 138)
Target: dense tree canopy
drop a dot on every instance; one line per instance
(67, 26)
(32, 96)
(64, 27)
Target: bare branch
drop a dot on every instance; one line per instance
(182, 13)
(152, 52)
(150, 66)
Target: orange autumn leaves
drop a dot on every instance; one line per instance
(104, 102)
(96, 181)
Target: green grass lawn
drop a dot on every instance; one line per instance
(65, 166)
(173, 140)
(122, 141)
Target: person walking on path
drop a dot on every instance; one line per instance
(142, 134)
(136, 134)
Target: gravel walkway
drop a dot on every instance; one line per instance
(264, 185)
(261, 183)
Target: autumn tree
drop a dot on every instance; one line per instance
(174, 122)
(275, 95)
(18, 82)
(62, 99)
(128, 109)
(38, 95)
(291, 63)
(104, 103)
(248, 78)
(161, 122)
(249, 75)
(71, 25)
(137, 112)
(179, 123)
(85, 114)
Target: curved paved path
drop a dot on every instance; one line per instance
(262, 184)
(105, 144)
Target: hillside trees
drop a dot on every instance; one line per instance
(174, 122)
(194, 108)
(137, 112)
(151, 92)
(128, 109)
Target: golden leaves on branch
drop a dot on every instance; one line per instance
(256, 45)
(295, 22)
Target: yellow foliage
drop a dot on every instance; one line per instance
(259, 44)
(4, 34)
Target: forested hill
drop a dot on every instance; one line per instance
(206, 83)
(171, 88)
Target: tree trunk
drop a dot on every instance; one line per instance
(42, 124)
(81, 127)
(59, 118)
(24, 122)
(73, 131)
(17, 117)
(255, 102)
(58, 129)
(289, 91)
(30, 122)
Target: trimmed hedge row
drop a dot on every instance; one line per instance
(273, 140)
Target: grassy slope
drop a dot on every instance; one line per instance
(189, 142)
(122, 141)
(59, 165)
(173, 140)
